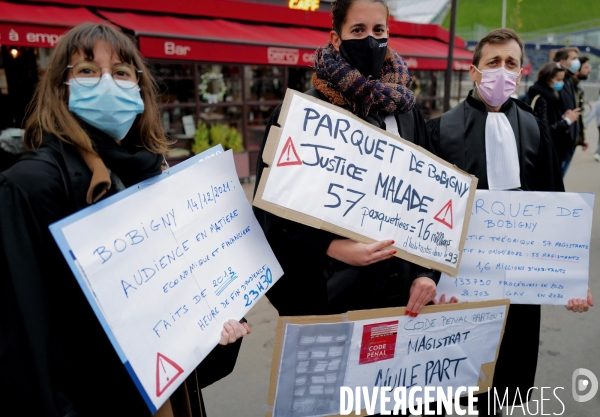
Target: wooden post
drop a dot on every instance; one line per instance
(448, 80)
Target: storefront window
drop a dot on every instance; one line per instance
(173, 121)
(239, 96)
(264, 83)
(258, 117)
(176, 82)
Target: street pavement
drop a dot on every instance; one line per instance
(568, 341)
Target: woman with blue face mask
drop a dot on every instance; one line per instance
(545, 100)
(93, 130)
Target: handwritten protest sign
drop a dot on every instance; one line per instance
(331, 170)
(165, 263)
(531, 247)
(448, 345)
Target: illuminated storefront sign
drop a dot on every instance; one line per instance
(311, 5)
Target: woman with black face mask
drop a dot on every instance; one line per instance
(325, 273)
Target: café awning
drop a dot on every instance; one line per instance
(39, 26)
(218, 40)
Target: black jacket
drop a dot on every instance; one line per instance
(547, 108)
(313, 283)
(568, 101)
(55, 358)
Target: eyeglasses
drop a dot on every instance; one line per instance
(88, 74)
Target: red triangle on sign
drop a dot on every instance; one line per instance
(287, 149)
(447, 210)
(167, 372)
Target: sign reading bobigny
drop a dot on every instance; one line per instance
(531, 247)
(165, 263)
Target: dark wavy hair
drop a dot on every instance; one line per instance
(548, 72)
(339, 10)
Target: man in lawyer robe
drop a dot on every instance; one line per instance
(498, 140)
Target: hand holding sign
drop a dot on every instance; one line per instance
(232, 331)
(360, 254)
(580, 305)
(422, 291)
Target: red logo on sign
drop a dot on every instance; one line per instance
(288, 149)
(378, 342)
(167, 372)
(447, 210)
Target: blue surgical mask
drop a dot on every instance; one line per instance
(558, 85)
(575, 65)
(106, 106)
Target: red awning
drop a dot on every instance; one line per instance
(217, 40)
(39, 26)
(429, 54)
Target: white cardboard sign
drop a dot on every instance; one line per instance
(332, 170)
(531, 247)
(445, 346)
(165, 263)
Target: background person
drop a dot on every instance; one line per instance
(581, 75)
(594, 114)
(95, 129)
(545, 102)
(568, 59)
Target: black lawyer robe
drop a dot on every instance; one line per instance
(55, 359)
(313, 283)
(465, 147)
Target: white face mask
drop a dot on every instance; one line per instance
(105, 105)
(497, 85)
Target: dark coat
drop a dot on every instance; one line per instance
(55, 358)
(517, 360)
(568, 101)
(547, 108)
(315, 284)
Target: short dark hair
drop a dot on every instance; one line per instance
(548, 72)
(563, 53)
(339, 10)
(584, 59)
(496, 37)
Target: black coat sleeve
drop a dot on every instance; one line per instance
(550, 177)
(25, 375)
(559, 129)
(433, 128)
(218, 364)
(315, 241)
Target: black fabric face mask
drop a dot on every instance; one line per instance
(366, 55)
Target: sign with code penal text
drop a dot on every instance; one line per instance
(331, 170)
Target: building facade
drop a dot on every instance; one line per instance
(223, 62)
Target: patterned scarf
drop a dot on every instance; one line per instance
(343, 85)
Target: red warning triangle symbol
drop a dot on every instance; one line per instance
(289, 156)
(167, 372)
(447, 213)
